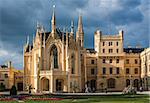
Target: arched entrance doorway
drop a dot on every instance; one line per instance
(59, 85)
(136, 84)
(20, 86)
(44, 84)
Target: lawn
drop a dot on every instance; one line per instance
(94, 99)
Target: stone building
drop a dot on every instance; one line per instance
(9, 77)
(57, 61)
(145, 68)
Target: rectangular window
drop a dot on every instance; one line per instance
(6, 75)
(103, 50)
(117, 70)
(104, 70)
(117, 61)
(72, 71)
(92, 71)
(110, 50)
(104, 61)
(110, 43)
(127, 61)
(136, 71)
(117, 50)
(136, 61)
(92, 61)
(110, 61)
(127, 71)
(111, 70)
(103, 43)
(117, 43)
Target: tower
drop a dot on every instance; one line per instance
(80, 32)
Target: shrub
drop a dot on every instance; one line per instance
(2, 87)
(13, 90)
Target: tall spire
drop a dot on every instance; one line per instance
(53, 21)
(80, 25)
(80, 32)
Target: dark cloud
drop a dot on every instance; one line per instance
(18, 19)
(125, 17)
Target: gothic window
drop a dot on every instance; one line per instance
(136, 70)
(104, 70)
(111, 70)
(117, 70)
(73, 64)
(111, 83)
(54, 55)
(127, 71)
(92, 71)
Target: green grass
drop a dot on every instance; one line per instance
(99, 99)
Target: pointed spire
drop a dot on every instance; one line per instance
(53, 21)
(33, 39)
(72, 26)
(27, 39)
(80, 32)
(80, 25)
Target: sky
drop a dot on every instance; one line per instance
(18, 19)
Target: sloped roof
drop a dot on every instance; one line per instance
(133, 50)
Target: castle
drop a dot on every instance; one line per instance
(57, 61)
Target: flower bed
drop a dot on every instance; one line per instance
(7, 99)
(45, 99)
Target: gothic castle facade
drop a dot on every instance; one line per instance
(57, 61)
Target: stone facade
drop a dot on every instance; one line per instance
(9, 76)
(57, 61)
(145, 68)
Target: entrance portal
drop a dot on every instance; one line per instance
(59, 85)
(45, 84)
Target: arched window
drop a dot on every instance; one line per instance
(54, 57)
(73, 64)
(111, 83)
(127, 82)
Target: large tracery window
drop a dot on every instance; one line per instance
(54, 57)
